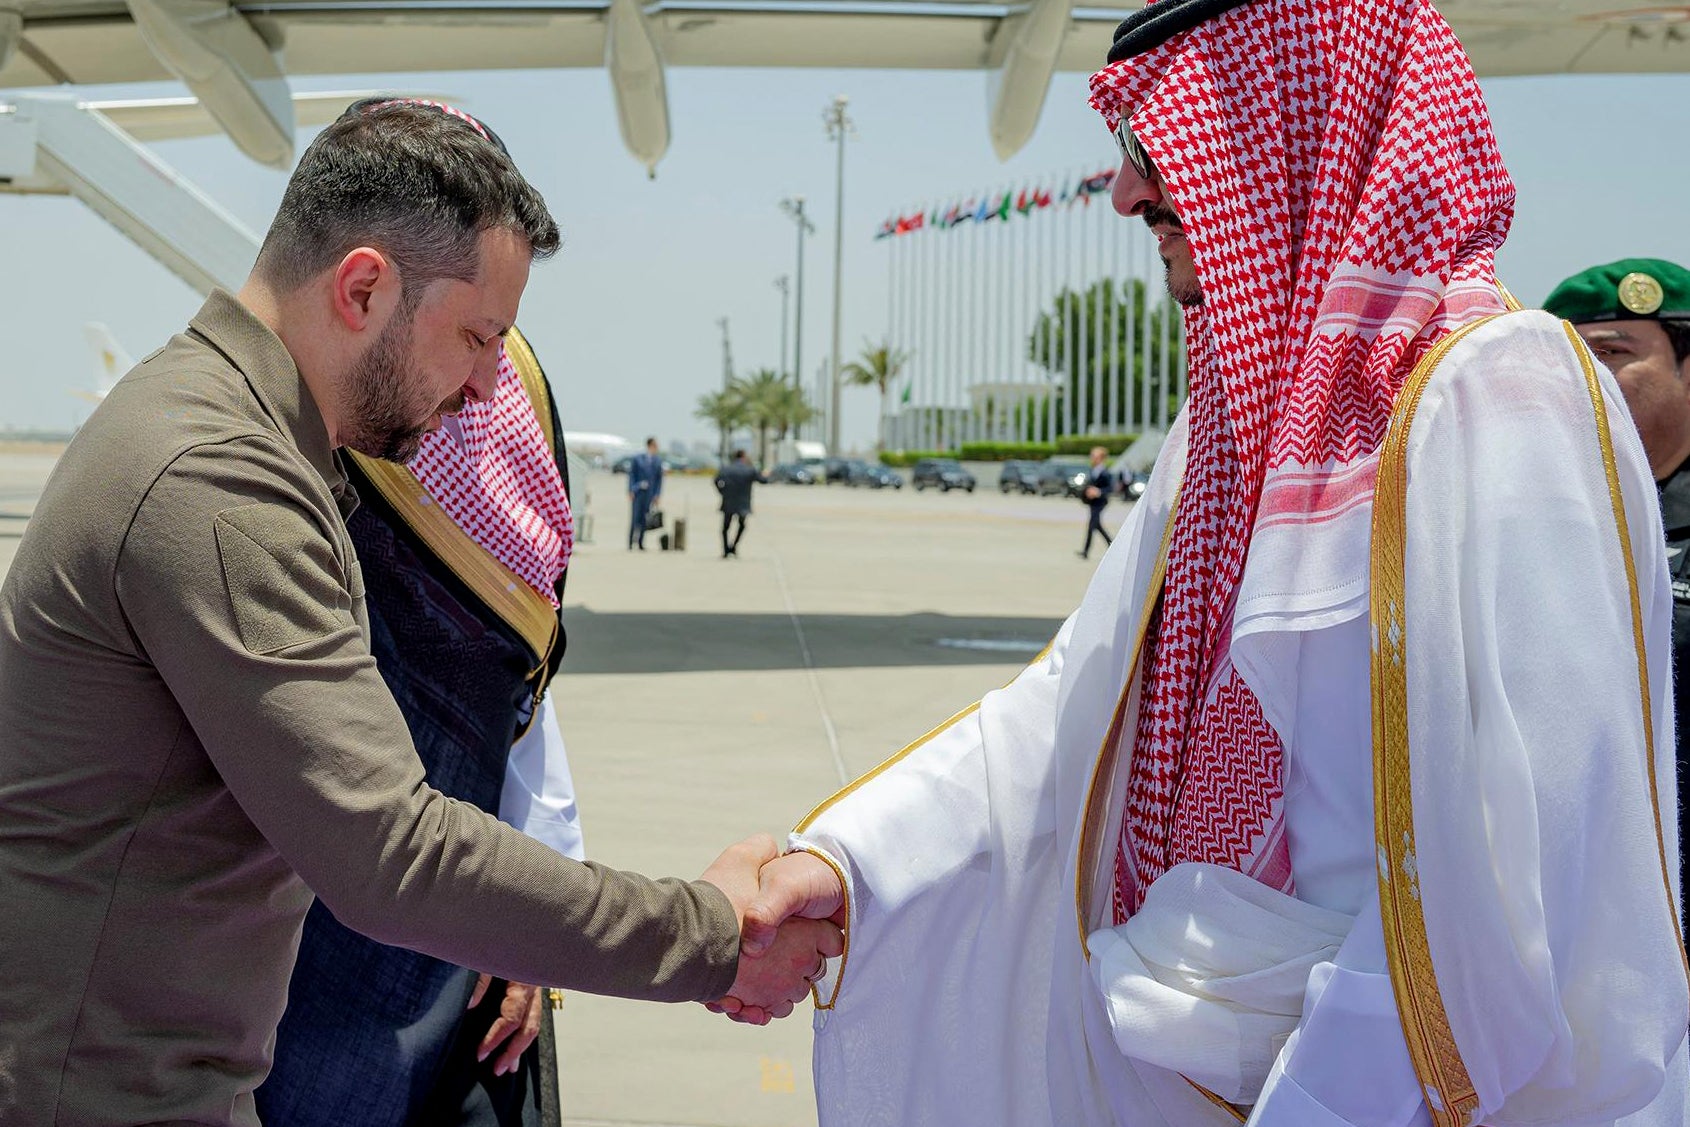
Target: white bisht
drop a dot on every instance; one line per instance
(1543, 835)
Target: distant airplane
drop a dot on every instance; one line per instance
(596, 446)
(110, 362)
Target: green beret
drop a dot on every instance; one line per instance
(1630, 288)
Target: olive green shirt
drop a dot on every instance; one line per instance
(194, 740)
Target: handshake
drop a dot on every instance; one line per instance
(791, 910)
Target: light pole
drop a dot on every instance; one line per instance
(783, 284)
(838, 126)
(727, 382)
(794, 209)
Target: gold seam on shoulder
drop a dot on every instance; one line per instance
(892, 761)
(863, 780)
(1450, 1097)
(1616, 498)
(1509, 301)
(845, 952)
(528, 612)
(1083, 870)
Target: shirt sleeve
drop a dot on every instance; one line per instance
(1346, 1065)
(233, 589)
(539, 792)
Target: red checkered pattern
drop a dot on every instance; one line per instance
(501, 484)
(1343, 196)
(441, 106)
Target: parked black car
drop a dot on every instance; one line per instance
(793, 473)
(835, 469)
(943, 474)
(874, 475)
(1019, 477)
(1132, 483)
(1062, 475)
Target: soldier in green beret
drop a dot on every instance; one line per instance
(1635, 316)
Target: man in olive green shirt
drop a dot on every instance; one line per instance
(193, 735)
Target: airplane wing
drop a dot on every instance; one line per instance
(235, 56)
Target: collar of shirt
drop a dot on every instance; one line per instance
(259, 354)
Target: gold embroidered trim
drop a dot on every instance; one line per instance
(528, 370)
(1617, 500)
(845, 953)
(527, 612)
(1431, 1045)
(1238, 1113)
(1085, 868)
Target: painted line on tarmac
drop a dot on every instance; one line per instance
(810, 671)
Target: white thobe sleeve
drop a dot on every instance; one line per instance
(936, 1014)
(538, 797)
(1346, 1064)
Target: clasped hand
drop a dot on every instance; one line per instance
(791, 910)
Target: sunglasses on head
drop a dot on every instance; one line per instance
(1131, 151)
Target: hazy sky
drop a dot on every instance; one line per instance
(624, 318)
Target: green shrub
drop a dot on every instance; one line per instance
(1082, 443)
(906, 458)
(1006, 451)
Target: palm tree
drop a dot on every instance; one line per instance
(766, 395)
(795, 411)
(877, 367)
(727, 409)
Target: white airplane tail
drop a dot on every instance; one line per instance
(110, 359)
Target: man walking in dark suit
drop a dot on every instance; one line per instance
(1099, 484)
(734, 484)
(645, 486)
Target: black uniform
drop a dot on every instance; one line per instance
(1675, 512)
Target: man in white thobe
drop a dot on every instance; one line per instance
(1346, 796)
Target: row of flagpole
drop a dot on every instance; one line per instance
(965, 296)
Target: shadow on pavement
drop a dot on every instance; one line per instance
(709, 642)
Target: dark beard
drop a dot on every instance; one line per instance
(381, 423)
(1186, 294)
(1189, 295)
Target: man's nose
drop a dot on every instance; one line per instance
(1132, 193)
(484, 377)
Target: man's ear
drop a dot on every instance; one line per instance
(364, 289)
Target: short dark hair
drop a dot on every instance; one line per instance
(410, 179)
(1678, 333)
(739, 452)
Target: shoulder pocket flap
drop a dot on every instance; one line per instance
(282, 578)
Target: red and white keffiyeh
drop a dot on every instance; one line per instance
(492, 472)
(1343, 197)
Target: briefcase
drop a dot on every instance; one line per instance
(653, 520)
